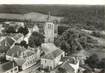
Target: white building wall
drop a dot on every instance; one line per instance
(31, 60)
(57, 59)
(10, 58)
(47, 63)
(51, 63)
(35, 28)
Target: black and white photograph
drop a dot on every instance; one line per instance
(52, 36)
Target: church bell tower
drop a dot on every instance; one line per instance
(49, 30)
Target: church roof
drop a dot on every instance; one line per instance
(53, 54)
(48, 47)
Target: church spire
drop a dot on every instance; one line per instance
(49, 16)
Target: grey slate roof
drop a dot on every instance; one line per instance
(15, 51)
(48, 47)
(20, 61)
(16, 36)
(67, 67)
(53, 54)
(6, 43)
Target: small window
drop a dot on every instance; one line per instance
(49, 26)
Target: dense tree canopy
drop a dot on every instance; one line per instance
(36, 39)
(87, 71)
(92, 61)
(22, 43)
(10, 29)
(61, 70)
(102, 64)
(23, 30)
(2, 58)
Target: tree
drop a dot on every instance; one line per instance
(23, 30)
(92, 61)
(2, 58)
(36, 39)
(61, 70)
(10, 29)
(87, 71)
(103, 71)
(102, 64)
(22, 43)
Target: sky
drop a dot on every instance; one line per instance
(69, 2)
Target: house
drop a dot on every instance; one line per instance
(9, 67)
(75, 66)
(24, 58)
(67, 67)
(82, 55)
(15, 52)
(14, 23)
(5, 43)
(1, 28)
(52, 57)
(17, 37)
(32, 57)
(35, 28)
(26, 38)
(32, 69)
(71, 65)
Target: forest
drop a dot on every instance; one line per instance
(81, 16)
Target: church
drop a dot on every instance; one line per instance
(52, 54)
